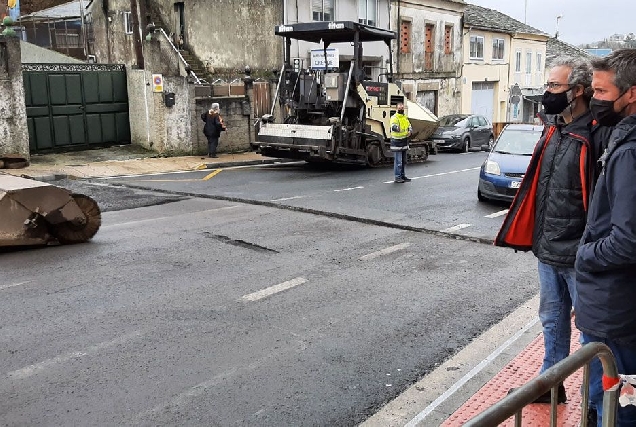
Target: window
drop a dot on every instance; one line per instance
(368, 12)
(518, 61)
(539, 62)
(498, 49)
(448, 40)
(405, 37)
(322, 10)
(529, 62)
(476, 47)
(482, 121)
(128, 27)
(429, 46)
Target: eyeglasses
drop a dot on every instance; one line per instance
(552, 85)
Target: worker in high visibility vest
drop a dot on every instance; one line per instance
(401, 130)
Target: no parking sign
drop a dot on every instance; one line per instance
(157, 83)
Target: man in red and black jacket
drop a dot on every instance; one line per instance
(548, 214)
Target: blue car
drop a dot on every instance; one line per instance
(507, 162)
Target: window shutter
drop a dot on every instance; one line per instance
(405, 37)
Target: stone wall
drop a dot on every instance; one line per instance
(235, 114)
(14, 134)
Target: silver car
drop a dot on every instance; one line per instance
(461, 132)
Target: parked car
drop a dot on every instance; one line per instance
(462, 132)
(507, 162)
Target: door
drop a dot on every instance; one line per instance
(179, 9)
(71, 105)
(483, 99)
(484, 130)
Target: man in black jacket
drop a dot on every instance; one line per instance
(549, 212)
(606, 260)
(213, 127)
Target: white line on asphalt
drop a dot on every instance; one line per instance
(438, 174)
(122, 224)
(35, 368)
(288, 198)
(496, 214)
(472, 373)
(14, 285)
(385, 251)
(349, 189)
(455, 228)
(274, 289)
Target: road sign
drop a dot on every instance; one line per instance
(157, 83)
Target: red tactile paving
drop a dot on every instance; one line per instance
(519, 371)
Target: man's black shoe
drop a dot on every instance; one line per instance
(406, 179)
(399, 180)
(547, 396)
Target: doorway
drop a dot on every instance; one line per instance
(180, 35)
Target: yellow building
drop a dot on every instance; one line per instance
(504, 66)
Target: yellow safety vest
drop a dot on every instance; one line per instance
(12, 4)
(403, 123)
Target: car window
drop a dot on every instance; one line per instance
(482, 121)
(475, 121)
(459, 121)
(515, 141)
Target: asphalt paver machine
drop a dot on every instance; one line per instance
(338, 114)
(38, 213)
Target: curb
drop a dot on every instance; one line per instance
(59, 177)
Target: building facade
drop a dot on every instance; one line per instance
(504, 66)
(428, 59)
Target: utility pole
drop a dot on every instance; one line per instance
(525, 12)
(556, 35)
(134, 14)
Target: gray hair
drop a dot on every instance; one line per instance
(215, 106)
(623, 63)
(580, 70)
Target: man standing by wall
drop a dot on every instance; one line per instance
(400, 132)
(213, 127)
(549, 213)
(606, 260)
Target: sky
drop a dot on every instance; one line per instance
(583, 21)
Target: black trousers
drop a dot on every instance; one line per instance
(213, 143)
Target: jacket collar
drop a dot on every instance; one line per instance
(620, 135)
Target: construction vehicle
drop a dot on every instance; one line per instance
(336, 114)
(38, 213)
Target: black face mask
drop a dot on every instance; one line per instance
(555, 103)
(603, 111)
(400, 111)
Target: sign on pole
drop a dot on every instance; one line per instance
(157, 83)
(318, 59)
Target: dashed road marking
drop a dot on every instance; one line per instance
(496, 214)
(455, 228)
(13, 285)
(288, 198)
(212, 174)
(439, 174)
(122, 224)
(349, 189)
(38, 367)
(385, 251)
(264, 293)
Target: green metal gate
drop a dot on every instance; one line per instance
(72, 106)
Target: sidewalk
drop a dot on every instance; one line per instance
(126, 160)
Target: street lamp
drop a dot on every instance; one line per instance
(558, 18)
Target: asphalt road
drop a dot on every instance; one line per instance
(218, 312)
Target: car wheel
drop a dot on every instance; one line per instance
(481, 197)
(466, 146)
(491, 141)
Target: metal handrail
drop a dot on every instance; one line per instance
(513, 404)
(196, 79)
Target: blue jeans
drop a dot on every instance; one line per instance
(557, 297)
(399, 161)
(625, 356)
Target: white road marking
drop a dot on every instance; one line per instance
(349, 189)
(439, 174)
(472, 373)
(123, 224)
(288, 198)
(38, 367)
(385, 251)
(264, 293)
(14, 285)
(496, 214)
(455, 228)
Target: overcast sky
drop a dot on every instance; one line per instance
(584, 21)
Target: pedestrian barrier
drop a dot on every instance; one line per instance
(513, 404)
